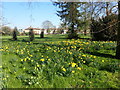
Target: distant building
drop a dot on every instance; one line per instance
(46, 31)
(35, 30)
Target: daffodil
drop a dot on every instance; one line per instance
(84, 55)
(49, 60)
(25, 59)
(70, 52)
(30, 55)
(103, 61)
(32, 60)
(64, 69)
(42, 60)
(43, 65)
(94, 56)
(78, 68)
(17, 50)
(73, 71)
(73, 64)
(84, 61)
(21, 60)
(38, 65)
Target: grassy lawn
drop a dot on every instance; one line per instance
(56, 62)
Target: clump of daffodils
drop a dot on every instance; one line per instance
(42, 59)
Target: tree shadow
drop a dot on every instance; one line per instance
(12, 40)
(23, 40)
(63, 38)
(42, 38)
(86, 39)
(101, 54)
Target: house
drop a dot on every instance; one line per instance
(46, 31)
(35, 30)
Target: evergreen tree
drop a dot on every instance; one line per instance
(69, 14)
(118, 34)
(15, 33)
(42, 34)
(31, 35)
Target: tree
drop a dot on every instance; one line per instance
(42, 34)
(69, 15)
(47, 25)
(104, 28)
(118, 34)
(98, 9)
(84, 22)
(31, 34)
(15, 33)
(61, 28)
(95, 10)
(7, 30)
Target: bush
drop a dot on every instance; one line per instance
(15, 34)
(42, 34)
(31, 35)
(104, 28)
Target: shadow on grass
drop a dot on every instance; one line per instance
(13, 40)
(50, 38)
(63, 38)
(43, 38)
(86, 39)
(101, 54)
(23, 40)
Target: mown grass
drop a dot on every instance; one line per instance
(56, 62)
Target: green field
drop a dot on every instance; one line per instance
(56, 62)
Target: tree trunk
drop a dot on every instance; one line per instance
(72, 28)
(118, 34)
(85, 32)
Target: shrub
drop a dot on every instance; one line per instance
(104, 28)
(15, 34)
(31, 35)
(42, 34)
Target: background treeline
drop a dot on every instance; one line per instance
(5, 30)
(89, 17)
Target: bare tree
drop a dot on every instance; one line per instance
(47, 25)
(7, 30)
(98, 9)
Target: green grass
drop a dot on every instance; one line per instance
(56, 62)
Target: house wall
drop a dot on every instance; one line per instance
(36, 31)
(45, 31)
(65, 31)
(26, 31)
